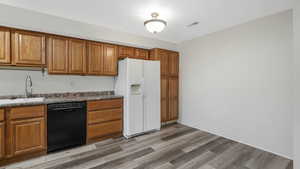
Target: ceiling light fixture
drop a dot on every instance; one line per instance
(155, 25)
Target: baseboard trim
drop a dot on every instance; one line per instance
(239, 141)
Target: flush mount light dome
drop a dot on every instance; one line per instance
(155, 25)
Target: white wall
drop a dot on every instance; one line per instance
(297, 84)
(12, 82)
(238, 83)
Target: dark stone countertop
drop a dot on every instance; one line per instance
(61, 98)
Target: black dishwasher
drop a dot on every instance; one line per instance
(66, 125)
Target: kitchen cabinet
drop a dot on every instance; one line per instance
(141, 54)
(163, 57)
(125, 51)
(95, 58)
(5, 57)
(77, 56)
(173, 98)
(28, 48)
(66, 55)
(164, 99)
(173, 65)
(110, 60)
(57, 55)
(169, 82)
(27, 136)
(104, 119)
(2, 134)
(26, 130)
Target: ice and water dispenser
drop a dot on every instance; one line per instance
(135, 89)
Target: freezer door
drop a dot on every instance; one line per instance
(151, 95)
(134, 115)
(135, 71)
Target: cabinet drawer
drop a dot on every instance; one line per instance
(104, 115)
(104, 104)
(104, 129)
(27, 112)
(1, 114)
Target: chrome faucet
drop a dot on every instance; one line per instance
(28, 84)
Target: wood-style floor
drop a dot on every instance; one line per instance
(175, 146)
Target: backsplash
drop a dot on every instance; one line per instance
(12, 82)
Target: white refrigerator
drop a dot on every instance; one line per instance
(139, 82)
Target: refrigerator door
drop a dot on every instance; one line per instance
(151, 95)
(135, 113)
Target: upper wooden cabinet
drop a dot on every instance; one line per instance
(77, 56)
(5, 57)
(66, 56)
(110, 59)
(57, 55)
(141, 54)
(125, 51)
(28, 48)
(173, 63)
(95, 58)
(169, 61)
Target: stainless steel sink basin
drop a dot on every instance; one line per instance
(21, 100)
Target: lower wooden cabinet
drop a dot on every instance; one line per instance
(173, 98)
(26, 131)
(169, 98)
(27, 136)
(104, 129)
(104, 119)
(2, 140)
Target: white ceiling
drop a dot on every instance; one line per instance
(129, 15)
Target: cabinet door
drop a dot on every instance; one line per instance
(173, 63)
(95, 58)
(110, 60)
(4, 46)
(57, 55)
(141, 54)
(173, 98)
(164, 99)
(2, 140)
(125, 52)
(28, 48)
(27, 136)
(77, 56)
(164, 59)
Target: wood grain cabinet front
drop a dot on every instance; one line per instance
(27, 136)
(141, 54)
(173, 63)
(57, 55)
(77, 56)
(28, 48)
(2, 134)
(110, 60)
(104, 119)
(125, 51)
(5, 57)
(26, 131)
(173, 98)
(95, 58)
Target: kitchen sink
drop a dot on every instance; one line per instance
(21, 100)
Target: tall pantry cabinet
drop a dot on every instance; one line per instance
(169, 61)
